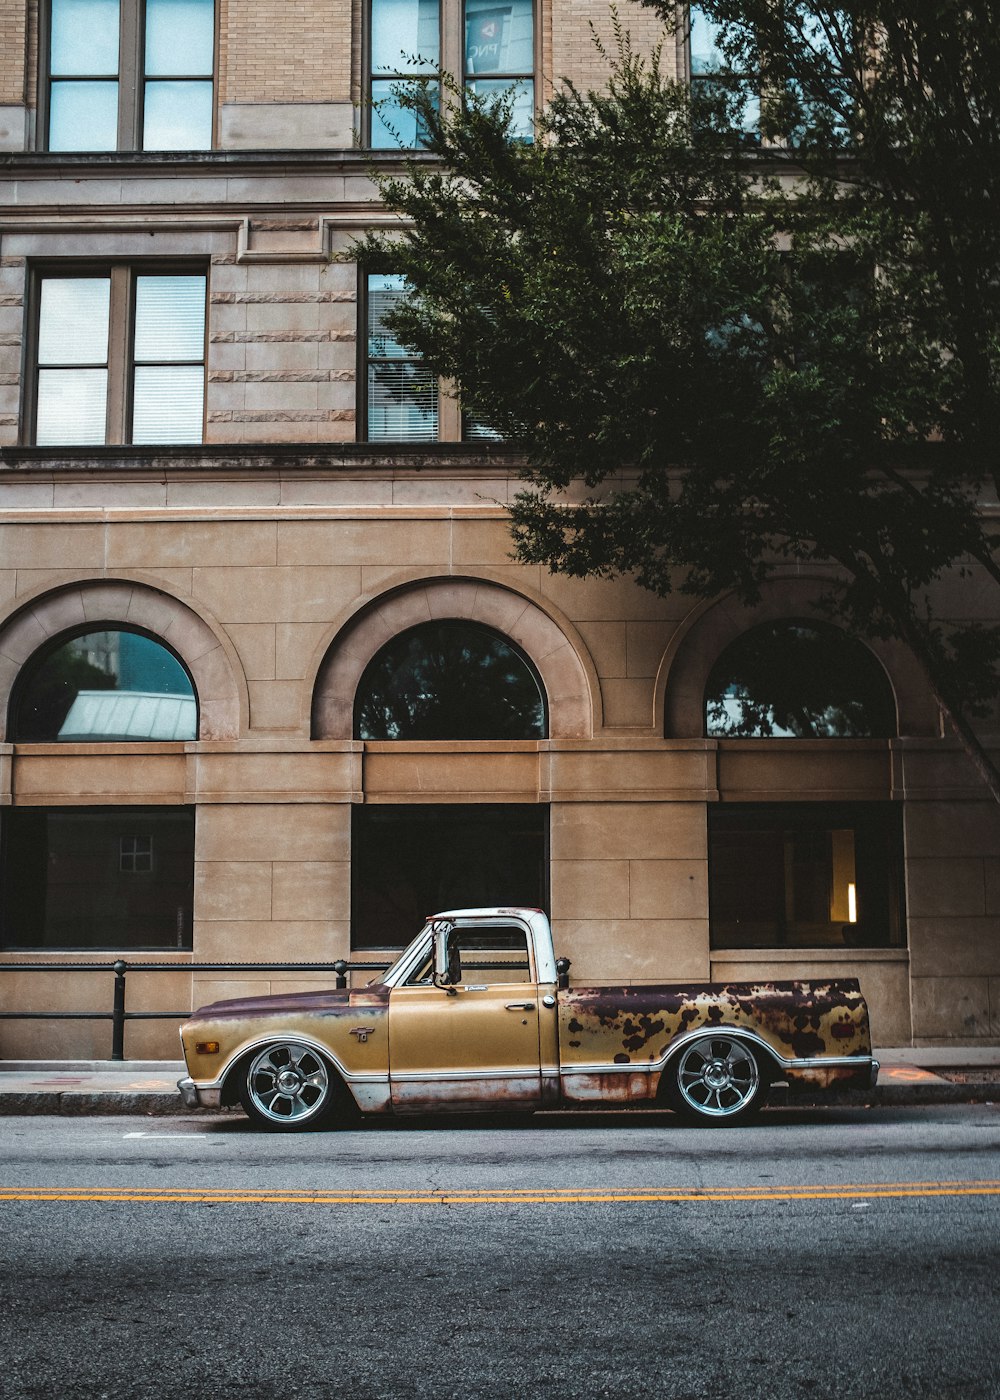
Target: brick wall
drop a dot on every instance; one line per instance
(284, 50)
(573, 54)
(14, 28)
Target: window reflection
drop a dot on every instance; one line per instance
(715, 83)
(449, 680)
(499, 58)
(797, 680)
(405, 43)
(104, 686)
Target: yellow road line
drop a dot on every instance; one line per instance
(503, 1196)
(514, 1191)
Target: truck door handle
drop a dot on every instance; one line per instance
(520, 1006)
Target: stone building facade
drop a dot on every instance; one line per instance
(245, 524)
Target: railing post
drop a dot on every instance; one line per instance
(118, 1013)
(340, 968)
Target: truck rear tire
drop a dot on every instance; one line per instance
(717, 1080)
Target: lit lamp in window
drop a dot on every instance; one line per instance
(844, 889)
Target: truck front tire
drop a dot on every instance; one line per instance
(288, 1087)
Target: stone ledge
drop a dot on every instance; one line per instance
(223, 458)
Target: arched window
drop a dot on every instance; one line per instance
(100, 686)
(449, 680)
(797, 680)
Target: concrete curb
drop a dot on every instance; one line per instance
(28, 1103)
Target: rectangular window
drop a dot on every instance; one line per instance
(120, 357)
(473, 430)
(130, 75)
(135, 855)
(805, 875)
(411, 861)
(828, 39)
(410, 39)
(69, 878)
(402, 401)
(500, 56)
(711, 74)
(405, 43)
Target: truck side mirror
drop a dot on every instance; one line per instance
(446, 965)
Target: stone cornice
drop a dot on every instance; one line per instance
(229, 458)
(102, 164)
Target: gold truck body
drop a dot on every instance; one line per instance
(472, 1016)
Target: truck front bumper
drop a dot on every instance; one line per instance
(194, 1096)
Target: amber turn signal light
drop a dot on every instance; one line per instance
(207, 1047)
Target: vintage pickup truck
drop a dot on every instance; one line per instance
(475, 1014)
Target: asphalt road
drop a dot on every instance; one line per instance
(826, 1253)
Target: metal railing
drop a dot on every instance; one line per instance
(118, 1015)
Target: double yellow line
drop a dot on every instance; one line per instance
(502, 1196)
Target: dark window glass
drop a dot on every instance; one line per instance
(798, 680)
(104, 686)
(408, 862)
(805, 875)
(449, 680)
(118, 878)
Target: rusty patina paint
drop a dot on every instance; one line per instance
(322, 1018)
(639, 1024)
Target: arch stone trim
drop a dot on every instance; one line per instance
(221, 700)
(709, 629)
(560, 667)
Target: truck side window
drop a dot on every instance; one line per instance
(489, 955)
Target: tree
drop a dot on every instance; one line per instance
(897, 107)
(745, 370)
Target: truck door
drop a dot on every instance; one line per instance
(475, 1044)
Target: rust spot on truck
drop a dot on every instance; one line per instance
(798, 1020)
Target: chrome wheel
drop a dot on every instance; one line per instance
(287, 1085)
(717, 1079)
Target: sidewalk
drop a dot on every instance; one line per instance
(908, 1076)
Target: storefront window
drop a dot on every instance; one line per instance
(118, 878)
(411, 861)
(805, 875)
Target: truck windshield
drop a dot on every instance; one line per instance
(387, 974)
